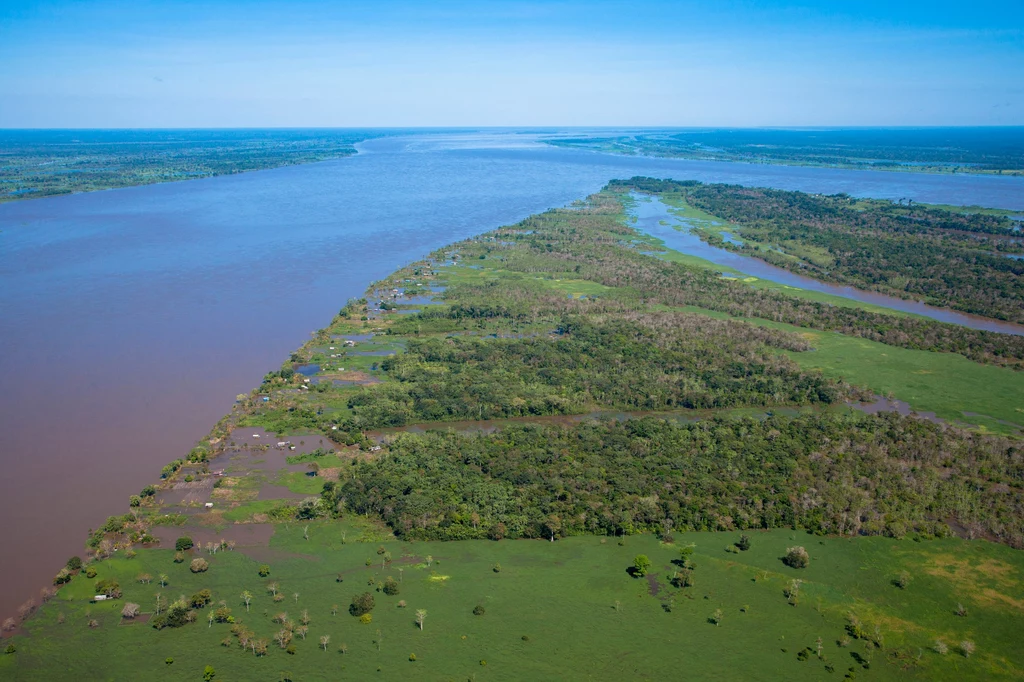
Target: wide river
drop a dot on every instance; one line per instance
(129, 319)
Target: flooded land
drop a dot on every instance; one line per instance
(131, 319)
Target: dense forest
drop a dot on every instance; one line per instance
(840, 475)
(945, 258)
(646, 362)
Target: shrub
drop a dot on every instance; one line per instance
(412, 657)
(479, 610)
(10, 649)
(209, 673)
(109, 587)
(361, 604)
(264, 570)
(796, 557)
(200, 599)
(199, 565)
(183, 543)
(90, 572)
(366, 618)
(391, 586)
(179, 557)
(641, 564)
(744, 543)
(130, 610)
(63, 576)
(902, 580)
(74, 563)
(168, 660)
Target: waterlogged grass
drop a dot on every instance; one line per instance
(947, 384)
(556, 611)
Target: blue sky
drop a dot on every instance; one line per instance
(112, 63)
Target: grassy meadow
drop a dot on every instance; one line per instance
(555, 611)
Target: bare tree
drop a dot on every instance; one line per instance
(247, 597)
(302, 630)
(324, 641)
(273, 588)
(304, 618)
(296, 597)
(163, 580)
(379, 640)
(160, 602)
(10, 624)
(283, 637)
(967, 648)
(430, 560)
(421, 615)
(130, 610)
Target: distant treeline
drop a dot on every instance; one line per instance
(971, 150)
(38, 163)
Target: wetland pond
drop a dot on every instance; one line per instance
(130, 318)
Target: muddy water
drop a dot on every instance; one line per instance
(129, 319)
(654, 218)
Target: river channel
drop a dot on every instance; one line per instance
(655, 218)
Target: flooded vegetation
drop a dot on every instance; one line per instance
(571, 380)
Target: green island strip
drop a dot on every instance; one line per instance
(947, 151)
(561, 451)
(42, 163)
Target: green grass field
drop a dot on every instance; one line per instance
(555, 611)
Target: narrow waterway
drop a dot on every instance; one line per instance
(655, 218)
